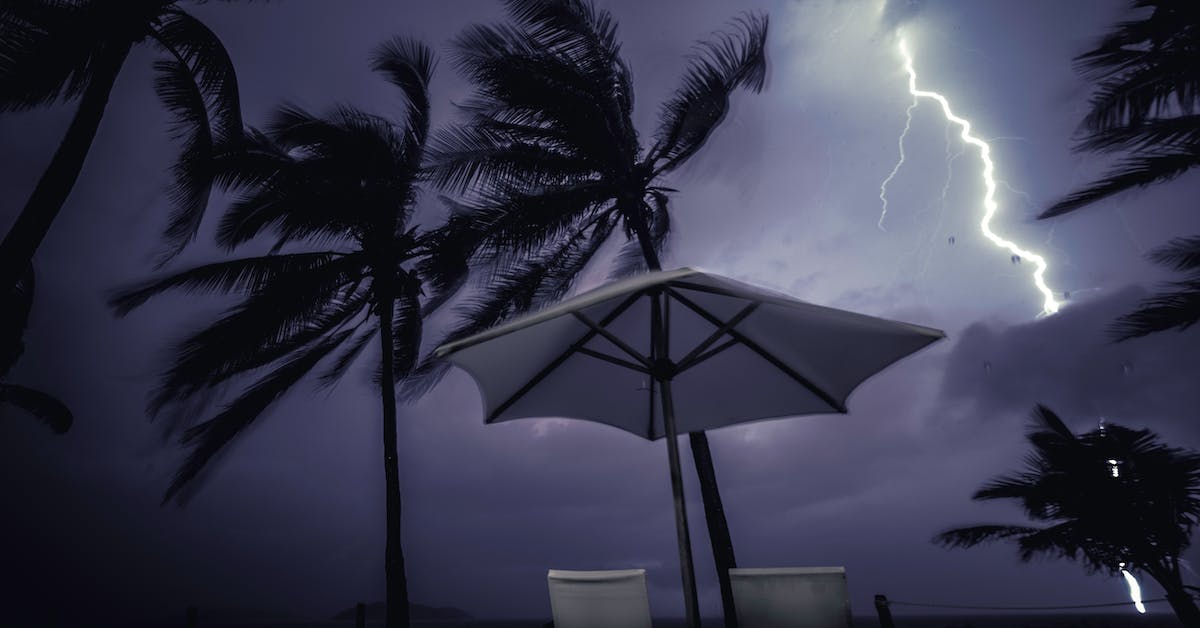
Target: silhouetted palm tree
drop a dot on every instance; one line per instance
(53, 50)
(14, 318)
(552, 166)
(1179, 308)
(343, 189)
(1145, 107)
(1109, 498)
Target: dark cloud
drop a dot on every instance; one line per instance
(1069, 363)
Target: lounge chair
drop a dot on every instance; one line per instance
(599, 599)
(791, 597)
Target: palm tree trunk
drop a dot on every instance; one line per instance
(714, 519)
(393, 556)
(27, 233)
(1178, 597)
(714, 512)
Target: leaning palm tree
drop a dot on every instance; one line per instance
(347, 269)
(1114, 498)
(550, 166)
(63, 50)
(14, 318)
(1148, 91)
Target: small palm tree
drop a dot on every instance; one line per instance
(343, 189)
(1112, 498)
(53, 50)
(1144, 107)
(14, 318)
(551, 167)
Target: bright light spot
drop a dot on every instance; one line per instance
(1116, 473)
(1135, 590)
(1050, 306)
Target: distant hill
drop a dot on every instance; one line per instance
(376, 610)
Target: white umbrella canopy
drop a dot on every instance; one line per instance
(679, 351)
(737, 353)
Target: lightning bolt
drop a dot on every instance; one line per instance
(883, 186)
(1050, 305)
(1135, 590)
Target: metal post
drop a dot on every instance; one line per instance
(192, 617)
(691, 604)
(885, 612)
(661, 356)
(360, 615)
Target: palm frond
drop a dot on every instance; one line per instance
(1061, 540)
(574, 29)
(409, 64)
(1045, 418)
(719, 66)
(511, 290)
(249, 163)
(1182, 254)
(443, 265)
(239, 275)
(521, 84)
(1178, 309)
(1139, 170)
(208, 438)
(50, 50)
(1180, 132)
(346, 359)
(1161, 83)
(286, 315)
(516, 224)
(213, 71)
(1141, 64)
(193, 172)
(479, 155)
(48, 409)
(970, 536)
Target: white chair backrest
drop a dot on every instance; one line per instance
(791, 597)
(599, 599)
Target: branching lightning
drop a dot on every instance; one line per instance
(1050, 305)
(883, 186)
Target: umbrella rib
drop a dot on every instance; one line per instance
(542, 374)
(608, 335)
(613, 359)
(686, 362)
(763, 353)
(708, 354)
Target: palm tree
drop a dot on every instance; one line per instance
(14, 318)
(1148, 90)
(338, 192)
(1112, 498)
(551, 166)
(53, 50)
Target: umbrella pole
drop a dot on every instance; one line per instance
(691, 604)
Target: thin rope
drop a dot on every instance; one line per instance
(1022, 608)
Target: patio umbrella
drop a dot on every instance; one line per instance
(679, 351)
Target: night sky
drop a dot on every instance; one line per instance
(786, 195)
